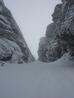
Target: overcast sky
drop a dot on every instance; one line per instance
(32, 16)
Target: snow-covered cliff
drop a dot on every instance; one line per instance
(59, 37)
(13, 48)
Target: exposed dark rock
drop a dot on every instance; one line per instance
(60, 33)
(13, 47)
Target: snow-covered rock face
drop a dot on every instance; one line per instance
(1, 2)
(68, 1)
(10, 51)
(60, 32)
(13, 48)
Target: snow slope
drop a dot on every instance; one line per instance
(38, 80)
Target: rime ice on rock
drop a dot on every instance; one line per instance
(60, 34)
(13, 48)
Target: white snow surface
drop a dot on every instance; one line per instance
(38, 80)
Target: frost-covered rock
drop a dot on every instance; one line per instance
(13, 47)
(10, 51)
(60, 32)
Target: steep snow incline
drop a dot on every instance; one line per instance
(38, 80)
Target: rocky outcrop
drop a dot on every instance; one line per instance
(59, 37)
(13, 48)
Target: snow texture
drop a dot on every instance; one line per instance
(38, 80)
